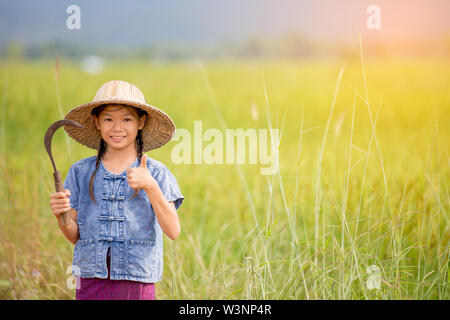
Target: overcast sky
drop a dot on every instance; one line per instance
(139, 22)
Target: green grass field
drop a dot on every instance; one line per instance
(364, 178)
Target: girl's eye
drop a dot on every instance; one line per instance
(107, 119)
(128, 119)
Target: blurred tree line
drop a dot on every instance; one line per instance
(291, 45)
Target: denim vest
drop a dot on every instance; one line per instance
(127, 227)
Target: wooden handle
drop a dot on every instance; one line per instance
(65, 216)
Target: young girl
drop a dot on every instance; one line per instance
(119, 201)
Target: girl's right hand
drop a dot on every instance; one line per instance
(60, 202)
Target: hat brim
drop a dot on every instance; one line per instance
(157, 131)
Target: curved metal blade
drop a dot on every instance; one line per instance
(51, 130)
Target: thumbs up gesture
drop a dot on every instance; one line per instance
(140, 177)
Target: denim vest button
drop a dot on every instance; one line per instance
(111, 218)
(113, 197)
(110, 239)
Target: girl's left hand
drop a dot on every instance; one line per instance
(140, 177)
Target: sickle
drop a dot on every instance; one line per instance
(65, 218)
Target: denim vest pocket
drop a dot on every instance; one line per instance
(84, 255)
(142, 256)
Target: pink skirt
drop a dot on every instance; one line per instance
(108, 289)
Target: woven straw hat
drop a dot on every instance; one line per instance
(157, 131)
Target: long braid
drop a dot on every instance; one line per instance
(139, 145)
(101, 152)
(139, 148)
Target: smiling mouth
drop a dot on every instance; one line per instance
(117, 138)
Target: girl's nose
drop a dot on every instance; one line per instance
(117, 125)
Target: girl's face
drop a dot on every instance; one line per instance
(119, 126)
